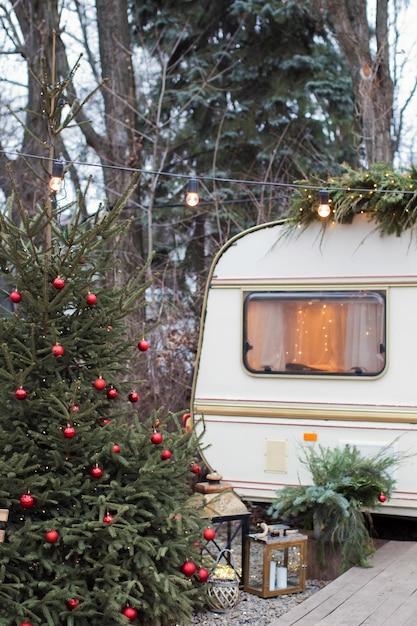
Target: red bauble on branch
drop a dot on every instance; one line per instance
(166, 454)
(202, 575)
(91, 299)
(188, 568)
(52, 536)
(133, 396)
(382, 497)
(156, 438)
(96, 471)
(58, 282)
(21, 394)
(99, 383)
(209, 534)
(15, 296)
(107, 519)
(112, 393)
(72, 604)
(25, 624)
(116, 448)
(130, 613)
(143, 345)
(194, 468)
(69, 432)
(27, 501)
(57, 350)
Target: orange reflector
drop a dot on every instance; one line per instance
(310, 436)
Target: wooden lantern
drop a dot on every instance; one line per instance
(275, 565)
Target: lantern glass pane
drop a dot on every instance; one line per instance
(255, 571)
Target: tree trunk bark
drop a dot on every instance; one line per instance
(372, 83)
(122, 147)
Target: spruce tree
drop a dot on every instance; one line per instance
(100, 531)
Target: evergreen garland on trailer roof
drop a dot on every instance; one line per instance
(387, 197)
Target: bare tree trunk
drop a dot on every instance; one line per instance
(370, 72)
(122, 146)
(39, 22)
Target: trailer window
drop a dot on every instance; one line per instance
(308, 333)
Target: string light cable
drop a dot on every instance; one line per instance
(308, 201)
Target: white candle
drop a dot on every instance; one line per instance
(281, 577)
(272, 575)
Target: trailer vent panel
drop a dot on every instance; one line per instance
(276, 455)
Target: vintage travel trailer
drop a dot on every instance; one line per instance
(308, 337)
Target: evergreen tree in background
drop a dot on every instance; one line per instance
(100, 531)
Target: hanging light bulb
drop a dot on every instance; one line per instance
(191, 196)
(57, 176)
(324, 208)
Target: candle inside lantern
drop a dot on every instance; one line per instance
(281, 577)
(272, 575)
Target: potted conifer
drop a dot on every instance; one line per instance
(337, 507)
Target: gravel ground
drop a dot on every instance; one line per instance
(252, 610)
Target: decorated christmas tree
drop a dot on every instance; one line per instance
(99, 528)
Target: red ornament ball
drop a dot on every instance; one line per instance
(194, 468)
(382, 497)
(165, 455)
(156, 438)
(202, 575)
(57, 350)
(99, 383)
(15, 297)
(133, 396)
(116, 448)
(130, 613)
(188, 568)
(72, 603)
(27, 501)
(25, 624)
(69, 432)
(107, 519)
(209, 534)
(21, 394)
(52, 536)
(75, 408)
(112, 393)
(96, 472)
(58, 282)
(91, 299)
(143, 345)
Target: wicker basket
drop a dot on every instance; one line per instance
(223, 593)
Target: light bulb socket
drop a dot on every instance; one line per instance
(57, 169)
(323, 196)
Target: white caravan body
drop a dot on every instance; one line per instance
(259, 403)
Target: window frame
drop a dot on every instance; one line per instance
(376, 294)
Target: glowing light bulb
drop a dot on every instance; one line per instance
(191, 198)
(324, 208)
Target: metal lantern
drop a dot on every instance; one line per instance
(227, 514)
(275, 565)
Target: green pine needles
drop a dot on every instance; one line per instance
(346, 487)
(388, 198)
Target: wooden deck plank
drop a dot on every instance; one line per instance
(365, 595)
(368, 599)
